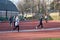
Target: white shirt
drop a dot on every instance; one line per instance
(16, 21)
(45, 16)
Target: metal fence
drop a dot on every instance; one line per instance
(9, 13)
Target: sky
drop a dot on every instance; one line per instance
(14, 1)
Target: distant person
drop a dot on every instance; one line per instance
(10, 21)
(25, 18)
(14, 20)
(16, 23)
(40, 23)
(46, 17)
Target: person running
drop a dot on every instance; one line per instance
(14, 20)
(16, 23)
(10, 21)
(40, 23)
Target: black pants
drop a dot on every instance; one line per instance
(16, 27)
(40, 24)
(11, 24)
(46, 20)
(14, 23)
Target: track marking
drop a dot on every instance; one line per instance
(31, 30)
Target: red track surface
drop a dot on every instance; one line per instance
(30, 25)
(30, 35)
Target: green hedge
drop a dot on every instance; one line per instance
(21, 18)
(3, 18)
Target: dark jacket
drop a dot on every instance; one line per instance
(11, 19)
(41, 19)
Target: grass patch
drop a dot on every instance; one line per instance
(55, 16)
(49, 39)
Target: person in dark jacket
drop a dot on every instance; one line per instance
(40, 23)
(14, 20)
(10, 20)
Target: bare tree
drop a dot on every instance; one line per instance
(44, 7)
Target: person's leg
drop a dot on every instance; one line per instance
(38, 26)
(18, 28)
(46, 20)
(41, 25)
(10, 26)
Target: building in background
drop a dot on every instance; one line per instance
(7, 8)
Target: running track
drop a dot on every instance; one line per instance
(24, 25)
(30, 35)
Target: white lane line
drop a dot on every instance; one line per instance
(31, 30)
(47, 29)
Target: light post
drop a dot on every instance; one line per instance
(6, 9)
(6, 14)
